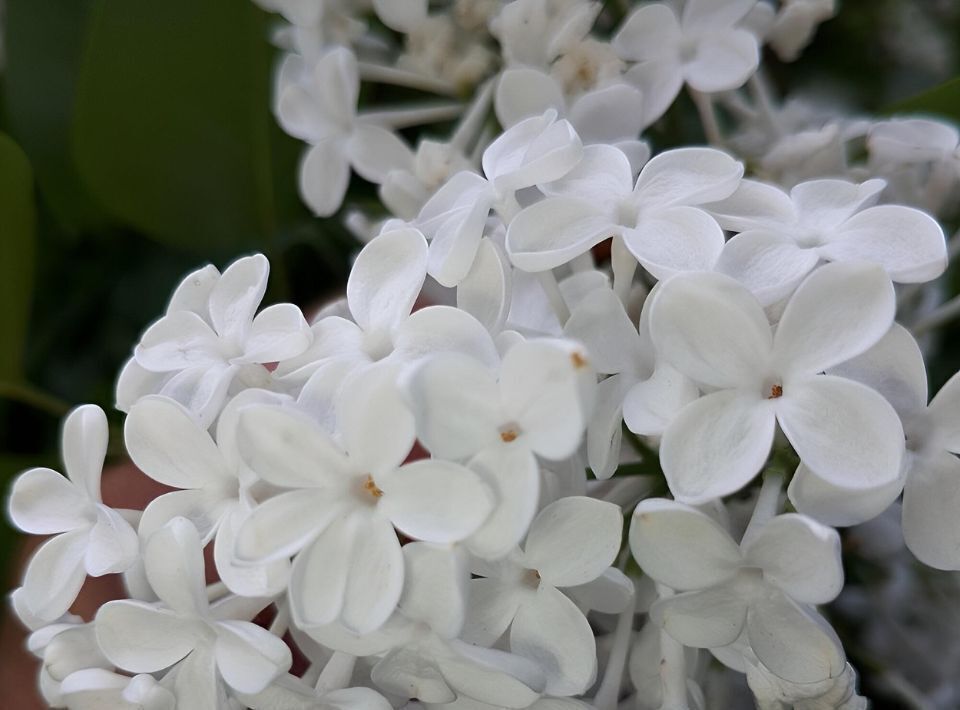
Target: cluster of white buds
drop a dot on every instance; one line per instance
(536, 457)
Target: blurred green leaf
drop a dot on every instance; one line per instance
(17, 234)
(173, 129)
(942, 100)
(43, 42)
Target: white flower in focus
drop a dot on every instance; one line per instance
(760, 587)
(64, 648)
(703, 48)
(341, 507)
(571, 543)
(318, 104)
(658, 218)
(204, 353)
(95, 689)
(535, 151)
(711, 329)
(208, 646)
(783, 237)
(91, 538)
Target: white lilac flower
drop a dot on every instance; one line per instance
(205, 352)
(570, 543)
(761, 587)
(537, 150)
(783, 237)
(90, 537)
(341, 503)
(319, 105)
(95, 689)
(930, 479)
(205, 647)
(703, 48)
(658, 218)
(714, 331)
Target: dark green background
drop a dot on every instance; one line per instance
(136, 142)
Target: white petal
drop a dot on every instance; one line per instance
(55, 574)
(324, 176)
(600, 322)
(650, 406)
(711, 329)
(455, 402)
(437, 329)
(401, 15)
(374, 152)
(610, 593)
(838, 312)
(680, 546)
(237, 295)
(135, 382)
(84, 447)
(716, 445)
(906, 242)
(554, 231)
(944, 407)
(648, 33)
(536, 150)
(375, 577)
(706, 619)
(544, 388)
(659, 80)
(193, 293)
(491, 676)
(375, 425)
(754, 205)
(844, 431)
(551, 631)
(203, 508)
(795, 644)
(284, 524)
(824, 205)
(573, 540)
(336, 79)
(840, 507)
(278, 332)
(893, 367)
(931, 499)
(523, 92)
(201, 389)
(798, 555)
(604, 429)
(175, 568)
(407, 673)
(43, 502)
(512, 474)
(166, 442)
(602, 177)
(767, 263)
(485, 291)
(178, 341)
(318, 579)
(456, 236)
(140, 638)
(435, 587)
(196, 682)
(675, 239)
(287, 448)
(386, 278)
(113, 545)
(249, 580)
(608, 114)
(436, 501)
(688, 176)
(491, 608)
(248, 656)
(722, 61)
(709, 14)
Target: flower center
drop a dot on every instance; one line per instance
(509, 433)
(578, 360)
(776, 391)
(371, 488)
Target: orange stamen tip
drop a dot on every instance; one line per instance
(578, 360)
(776, 392)
(370, 487)
(508, 435)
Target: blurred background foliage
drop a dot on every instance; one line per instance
(136, 143)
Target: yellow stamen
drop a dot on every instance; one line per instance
(776, 392)
(579, 361)
(370, 487)
(508, 435)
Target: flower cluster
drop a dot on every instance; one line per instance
(500, 473)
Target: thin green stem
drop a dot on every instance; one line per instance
(38, 399)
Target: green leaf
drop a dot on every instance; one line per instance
(942, 100)
(173, 127)
(17, 235)
(43, 43)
